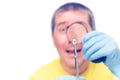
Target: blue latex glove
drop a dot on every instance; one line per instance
(97, 45)
(66, 77)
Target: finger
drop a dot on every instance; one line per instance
(94, 48)
(91, 42)
(90, 35)
(66, 77)
(101, 53)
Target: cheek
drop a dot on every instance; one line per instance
(60, 41)
(89, 29)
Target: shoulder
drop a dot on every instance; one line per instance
(45, 71)
(99, 70)
(49, 66)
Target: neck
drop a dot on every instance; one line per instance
(71, 70)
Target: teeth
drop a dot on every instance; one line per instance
(79, 50)
(72, 51)
(68, 51)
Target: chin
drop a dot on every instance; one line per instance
(71, 63)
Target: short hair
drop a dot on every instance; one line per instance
(73, 6)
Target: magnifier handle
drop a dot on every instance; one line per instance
(102, 59)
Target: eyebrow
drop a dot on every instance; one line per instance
(61, 23)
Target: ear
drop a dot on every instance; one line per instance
(53, 39)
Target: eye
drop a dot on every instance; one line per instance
(63, 29)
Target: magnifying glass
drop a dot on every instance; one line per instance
(75, 34)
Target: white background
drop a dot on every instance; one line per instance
(25, 34)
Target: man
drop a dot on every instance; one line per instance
(95, 47)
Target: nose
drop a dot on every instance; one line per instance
(73, 41)
(77, 43)
(69, 41)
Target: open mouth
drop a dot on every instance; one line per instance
(72, 51)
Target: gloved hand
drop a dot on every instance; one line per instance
(97, 45)
(66, 77)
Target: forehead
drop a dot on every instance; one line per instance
(71, 16)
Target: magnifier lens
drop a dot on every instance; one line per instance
(76, 32)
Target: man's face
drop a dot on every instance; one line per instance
(63, 45)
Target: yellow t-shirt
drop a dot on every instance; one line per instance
(53, 70)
